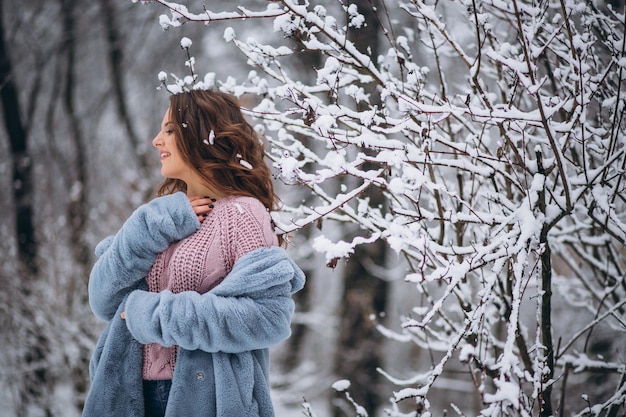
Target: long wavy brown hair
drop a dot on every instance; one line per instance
(215, 139)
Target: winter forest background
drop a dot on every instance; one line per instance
(452, 174)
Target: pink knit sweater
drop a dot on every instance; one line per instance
(235, 226)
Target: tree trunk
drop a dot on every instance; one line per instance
(360, 344)
(115, 59)
(22, 164)
(77, 209)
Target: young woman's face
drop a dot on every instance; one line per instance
(172, 163)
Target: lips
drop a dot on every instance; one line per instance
(164, 155)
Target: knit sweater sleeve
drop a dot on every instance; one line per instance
(251, 309)
(125, 259)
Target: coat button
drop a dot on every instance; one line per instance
(199, 375)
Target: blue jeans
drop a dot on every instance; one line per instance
(155, 395)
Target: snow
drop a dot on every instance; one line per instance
(357, 92)
(507, 391)
(341, 385)
(466, 353)
(430, 148)
(185, 43)
(324, 124)
(332, 250)
(396, 186)
(286, 24)
(329, 73)
(289, 168)
(229, 34)
(357, 20)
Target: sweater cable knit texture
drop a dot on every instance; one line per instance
(236, 225)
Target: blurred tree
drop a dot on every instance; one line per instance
(33, 387)
(21, 160)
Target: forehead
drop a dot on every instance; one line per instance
(167, 117)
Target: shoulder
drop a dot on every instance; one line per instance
(245, 224)
(241, 207)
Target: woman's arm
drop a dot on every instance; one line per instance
(126, 259)
(251, 309)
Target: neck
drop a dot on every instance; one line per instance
(203, 190)
(198, 186)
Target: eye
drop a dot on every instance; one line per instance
(169, 132)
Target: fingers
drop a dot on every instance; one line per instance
(202, 206)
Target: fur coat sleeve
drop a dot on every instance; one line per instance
(251, 309)
(126, 258)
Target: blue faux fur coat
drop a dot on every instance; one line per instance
(223, 336)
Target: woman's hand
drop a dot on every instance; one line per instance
(202, 206)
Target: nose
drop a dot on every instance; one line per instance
(156, 142)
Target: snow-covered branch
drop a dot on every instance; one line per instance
(501, 175)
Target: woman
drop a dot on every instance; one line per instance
(194, 286)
